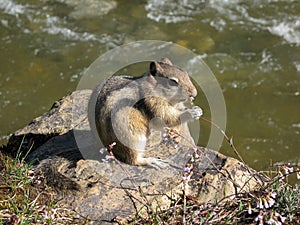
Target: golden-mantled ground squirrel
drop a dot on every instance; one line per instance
(128, 107)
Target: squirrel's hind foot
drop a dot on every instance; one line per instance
(152, 162)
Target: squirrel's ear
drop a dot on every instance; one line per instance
(154, 68)
(166, 61)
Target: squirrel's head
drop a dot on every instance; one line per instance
(171, 81)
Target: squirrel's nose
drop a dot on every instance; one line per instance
(193, 92)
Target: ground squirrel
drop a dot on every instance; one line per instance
(128, 107)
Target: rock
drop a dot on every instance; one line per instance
(90, 8)
(64, 147)
(52, 133)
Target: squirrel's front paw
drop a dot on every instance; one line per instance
(196, 112)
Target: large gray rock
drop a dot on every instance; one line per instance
(67, 153)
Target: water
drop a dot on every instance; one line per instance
(251, 46)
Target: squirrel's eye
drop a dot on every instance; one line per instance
(173, 81)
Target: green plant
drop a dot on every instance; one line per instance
(25, 198)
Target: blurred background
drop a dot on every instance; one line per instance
(252, 47)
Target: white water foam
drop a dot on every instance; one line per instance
(12, 8)
(225, 14)
(173, 11)
(289, 31)
(282, 23)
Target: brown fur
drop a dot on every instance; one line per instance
(126, 107)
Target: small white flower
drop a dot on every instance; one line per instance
(271, 202)
(197, 156)
(298, 175)
(186, 178)
(266, 203)
(274, 221)
(273, 194)
(282, 218)
(291, 169)
(271, 221)
(112, 144)
(249, 209)
(288, 170)
(102, 150)
(187, 169)
(259, 204)
(259, 218)
(107, 158)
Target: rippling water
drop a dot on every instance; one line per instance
(280, 18)
(253, 48)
